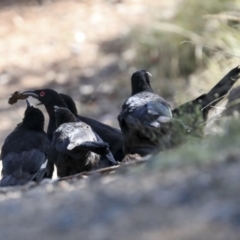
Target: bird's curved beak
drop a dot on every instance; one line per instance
(28, 103)
(30, 94)
(149, 74)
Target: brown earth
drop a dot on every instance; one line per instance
(185, 203)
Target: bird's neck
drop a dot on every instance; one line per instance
(146, 88)
(72, 107)
(65, 119)
(51, 127)
(32, 124)
(52, 120)
(50, 107)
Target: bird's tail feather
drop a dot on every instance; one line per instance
(38, 176)
(97, 147)
(10, 180)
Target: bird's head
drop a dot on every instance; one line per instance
(141, 82)
(70, 103)
(33, 117)
(63, 115)
(47, 97)
(43, 95)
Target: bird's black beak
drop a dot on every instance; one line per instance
(28, 103)
(30, 94)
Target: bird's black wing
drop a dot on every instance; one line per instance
(100, 148)
(15, 179)
(69, 136)
(23, 140)
(141, 121)
(112, 136)
(100, 127)
(24, 155)
(145, 108)
(108, 157)
(59, 143)
(23, 167)
(97, 147)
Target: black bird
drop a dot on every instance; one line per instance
(51, 98)
(76, 147)
(144, 118)
(196, 111)
(48, 98)
(112, 136)
(140, 82)
(24, 152)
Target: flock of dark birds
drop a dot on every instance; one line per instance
(75, 144)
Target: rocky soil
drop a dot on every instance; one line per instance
(134, 203)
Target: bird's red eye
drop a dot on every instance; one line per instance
(42, 93)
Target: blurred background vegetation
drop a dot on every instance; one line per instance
(90, 48)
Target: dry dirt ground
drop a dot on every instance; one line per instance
(185, 203)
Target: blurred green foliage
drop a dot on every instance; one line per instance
(196, 151)
(190, 25)
(198, 37)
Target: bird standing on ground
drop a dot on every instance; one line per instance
(24, 152)
(76, 147)
(51, 98)
(143, 117)
(112, 136)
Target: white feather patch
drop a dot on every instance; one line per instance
(44, 165)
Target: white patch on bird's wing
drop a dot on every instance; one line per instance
(161, 119)
(164, 119)
(44, 165)
(152, 112)
(71, 146)
(155, 124)
(141, 99)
